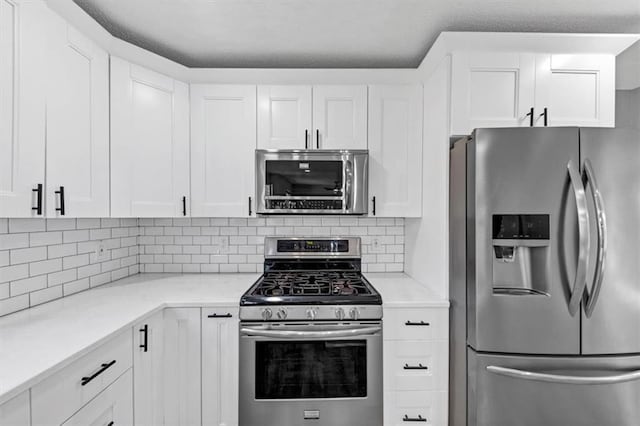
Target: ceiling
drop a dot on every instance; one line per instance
(337, 33)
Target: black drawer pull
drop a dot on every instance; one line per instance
(373, 202)
(103, 368)
(414, 419)
(38, 207)
(184, 206)
(61, 208)
(317, 138)
(250, 206)
(545, 115)
(145, 345)
(530, 115)
(415, 367)
(227, 315)
(110, 424)
(421, 323)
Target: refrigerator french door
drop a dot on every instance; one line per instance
(545, 277)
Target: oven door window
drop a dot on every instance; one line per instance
(304, 178)
(311, 369)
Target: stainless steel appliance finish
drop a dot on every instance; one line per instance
(544, 270)
(311, 337)
(312, 182)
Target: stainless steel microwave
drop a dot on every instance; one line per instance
(312, 182)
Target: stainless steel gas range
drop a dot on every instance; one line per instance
(311, 338)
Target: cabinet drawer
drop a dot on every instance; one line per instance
(56, 398)
(415, 408)
(415, 365)
(415, 324)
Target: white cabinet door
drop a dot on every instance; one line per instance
(22, 105)
(577, 90)
(395, 150)
(149, 143)
(148, 370)
(339, 117)
(220, 366)
(16, 411)
(491, 89)
(182, 394)
(113, 406)
(223, 141)
(284, 117)
(77, 124)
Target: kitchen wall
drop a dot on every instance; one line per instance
(46, 259)
(237, 245)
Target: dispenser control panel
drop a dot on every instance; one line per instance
(520, 226)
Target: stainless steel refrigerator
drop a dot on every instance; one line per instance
(545, 277)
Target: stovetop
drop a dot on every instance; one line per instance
(311, 287)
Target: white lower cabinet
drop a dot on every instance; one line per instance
(16, 411)
(416, 365)
(182, 391)
(220, 366)
(113, 406)
(148, 370)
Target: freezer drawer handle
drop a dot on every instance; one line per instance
(583, 236)
(421, 323)
(560, 378)
(103, 368)
(406, 418)
(415, 367)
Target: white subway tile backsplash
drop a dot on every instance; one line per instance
(61, 224)
(45, 295)
(45, 267)
(14, 304)
(28, 255)
(4, 291)
(75, 286)
(62, 277)
(15, 272)
(75, 236)
(4, 226)
(28, 285)
(13, 241)
(45, 238)
(4, 258)
(26, 225)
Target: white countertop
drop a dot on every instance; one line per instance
(40, 341)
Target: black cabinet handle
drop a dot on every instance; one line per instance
(250, 206)
(530, 115)
(421, 323)
(145, 344)
(306, 138)
(546, 116)
(227, 315)
(184, 206)
(110, 424)
(38, 207)
(61, 208)
(415, 367)
(103, 368)
(373, 201)
(414, 419)
(318, 138)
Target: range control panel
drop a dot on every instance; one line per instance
(313, 246)
(304, 204)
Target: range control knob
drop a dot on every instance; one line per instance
(267, 314)
(340, 313)
(354, 313)
(282, 313)
(311, 313)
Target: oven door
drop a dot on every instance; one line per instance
(316, 374)
(303, 182)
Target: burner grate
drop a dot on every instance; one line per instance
(313, 283)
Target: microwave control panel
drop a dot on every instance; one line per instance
(304, 204)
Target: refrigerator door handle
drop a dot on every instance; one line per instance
(591, 299)
(564, 379)
(580, 281)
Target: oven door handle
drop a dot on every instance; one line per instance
(298, 334)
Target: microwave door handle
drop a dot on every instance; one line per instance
(580, 281)
(601, 255)
(348, 184)
(299, 334)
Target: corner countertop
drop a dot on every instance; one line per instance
(37, 342)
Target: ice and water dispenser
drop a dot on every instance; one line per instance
(520, 254)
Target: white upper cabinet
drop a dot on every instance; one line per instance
(77, 124)
(22, 106)
(395, 151)
(325, 117)
(491, 90)
(339, 117)
(223, 141)
(284, 117)
(149, 143)
(576, 90)
(512, 89)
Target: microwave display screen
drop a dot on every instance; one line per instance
(292, 178)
